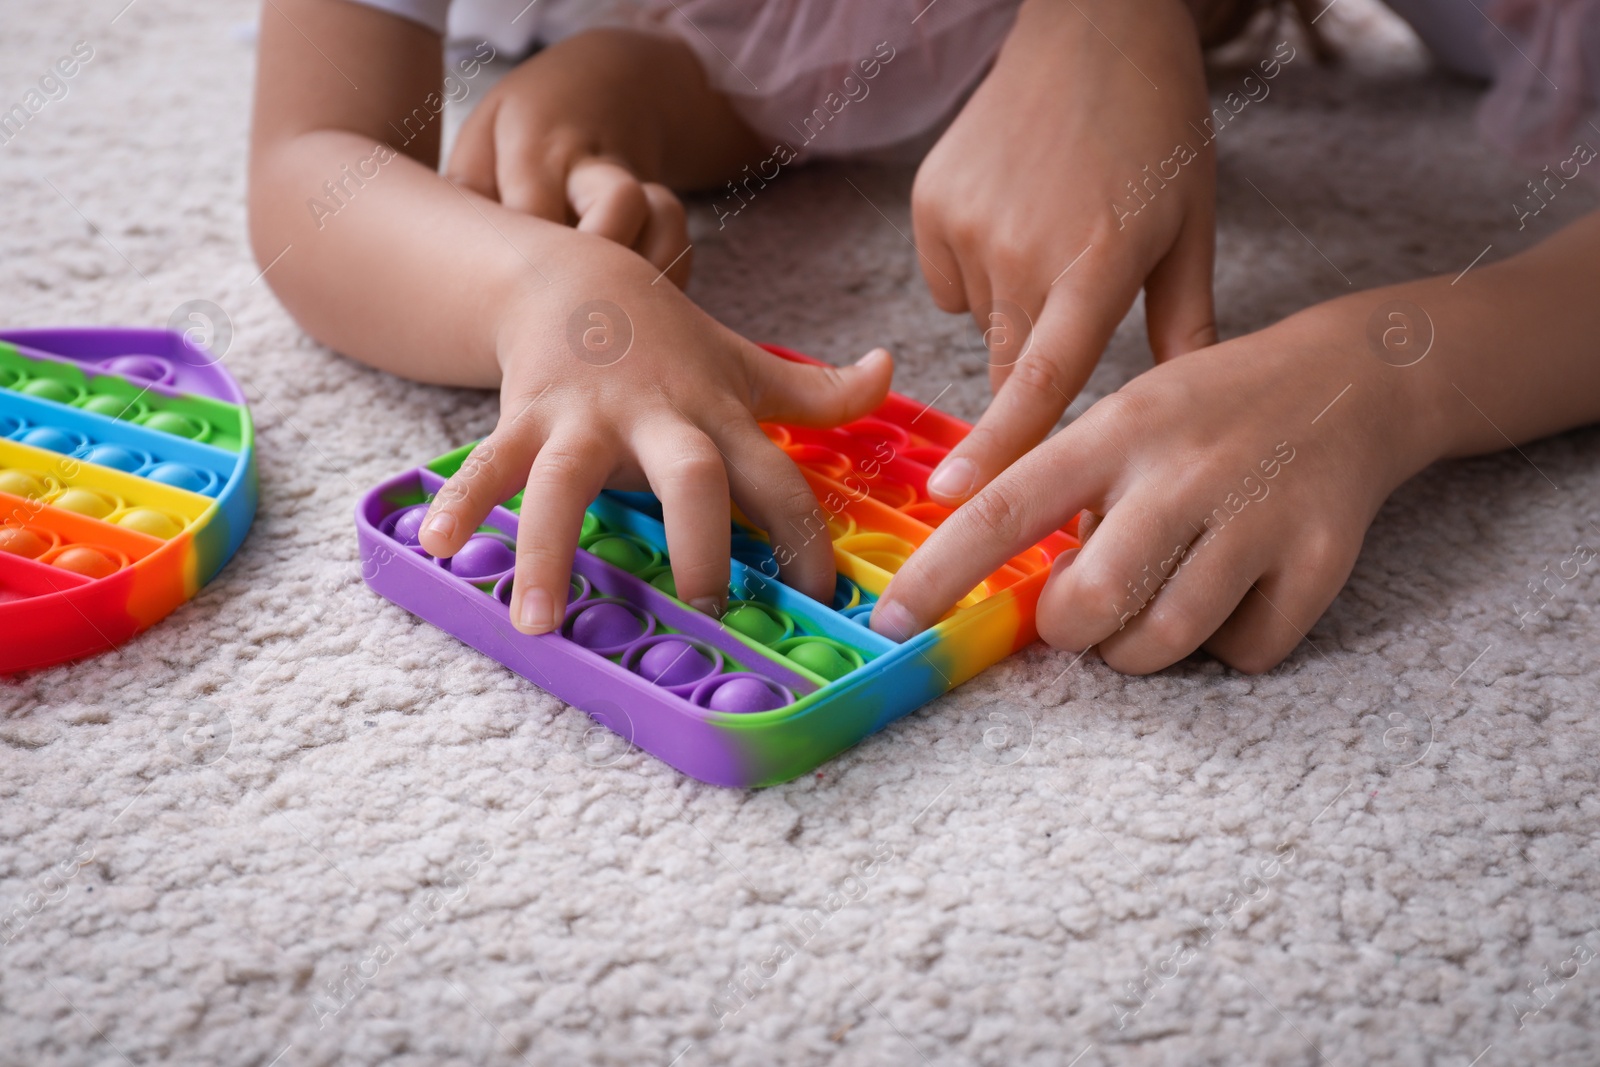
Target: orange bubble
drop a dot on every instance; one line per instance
(87, 561)
(22, 542)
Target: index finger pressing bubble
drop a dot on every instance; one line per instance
(1035, 496)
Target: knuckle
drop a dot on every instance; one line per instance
(1098, 590)
(1168, 634)
(559, 463)
(666, 205)
(998, 513)
(1038, 375)
(693, 466)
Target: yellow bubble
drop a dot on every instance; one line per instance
(152, 522)
(22, 483)
(85, 502)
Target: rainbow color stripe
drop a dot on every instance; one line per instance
(781, 683)
(127, 480)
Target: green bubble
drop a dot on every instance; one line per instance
(50, 389)
(819, 657)
(111, 406)
(621, 552)
(591, 526)
(755, 623)
(173, 423)
(665, 583)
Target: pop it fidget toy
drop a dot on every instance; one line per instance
(780, 683)
(127, 479)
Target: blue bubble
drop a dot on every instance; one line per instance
(53, 439)
(116, 457)
(178, 476)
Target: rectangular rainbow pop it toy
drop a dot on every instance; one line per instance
(127, 479)
(780, 683)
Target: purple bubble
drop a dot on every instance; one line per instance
(408, 527)
(673, 662)
(745, 695)
(483, 556)
(607, 625)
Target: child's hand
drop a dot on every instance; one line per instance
(1025, 211)
(608, 379)
(1230, 491)
(585, 132)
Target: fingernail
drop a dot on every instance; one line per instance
(442, 523)
(707, 605)
(870, 355)
(892, 621)
(953, 479)
(537, 614)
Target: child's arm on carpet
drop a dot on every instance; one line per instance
(1234, 486)
(605, 376)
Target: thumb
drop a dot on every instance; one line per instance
(808, 394)
(1179, 313)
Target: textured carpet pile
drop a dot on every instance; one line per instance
(295, 825)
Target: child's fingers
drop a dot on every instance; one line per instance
(809, 394)
(1033, 497)
(530, 177)
(1206, 585)
(1065, 344)
(568, 473)
(1180, 315)
(608, 200)
(491, 474)
(1275, 615)
(940, 267)
(472, 159)
(664, 241)
(771, 492)
(687, 473)
(1137, 547)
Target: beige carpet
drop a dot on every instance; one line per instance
(1382, 852)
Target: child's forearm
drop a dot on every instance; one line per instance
(1512, 350)
(405, 270)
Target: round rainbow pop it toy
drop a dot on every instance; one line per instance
(127, 479)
